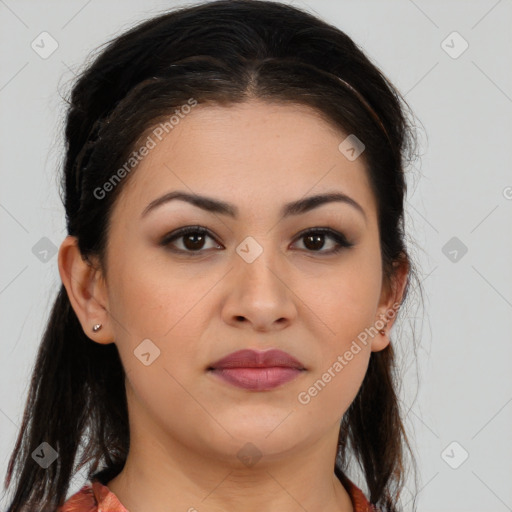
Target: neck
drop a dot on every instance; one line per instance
(162, 474)
(169, 471)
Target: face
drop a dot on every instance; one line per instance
(250, 275)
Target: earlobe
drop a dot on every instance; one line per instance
(86, 291)
(380, 342)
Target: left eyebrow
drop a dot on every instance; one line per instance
(311, 202)
(216, 206)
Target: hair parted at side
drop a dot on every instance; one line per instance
(222, 52)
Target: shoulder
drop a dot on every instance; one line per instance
(359, 501)
(92, 497)
(81, 501)
(96, 497)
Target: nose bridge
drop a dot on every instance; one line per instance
(258, 265)
(258, 292)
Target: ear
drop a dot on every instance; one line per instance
(389, 303)
(86, 290)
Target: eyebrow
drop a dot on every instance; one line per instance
(216, 206)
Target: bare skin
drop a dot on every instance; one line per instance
(187, 426)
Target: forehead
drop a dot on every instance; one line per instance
(270, 151)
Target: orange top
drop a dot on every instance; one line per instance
(96, 497)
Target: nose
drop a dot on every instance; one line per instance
(258, 296)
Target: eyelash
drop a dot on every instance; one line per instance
(339, 238)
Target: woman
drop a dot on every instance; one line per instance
(234, 190)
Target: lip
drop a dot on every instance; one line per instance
(257, 371)
(248, 358)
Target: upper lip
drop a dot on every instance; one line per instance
(248, 358)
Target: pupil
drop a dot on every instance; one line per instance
(198, 239)
(317, 241)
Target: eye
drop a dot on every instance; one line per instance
(314, 239)
(193, 239)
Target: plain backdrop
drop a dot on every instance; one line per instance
(451, 61)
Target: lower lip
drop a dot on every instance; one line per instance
(258, 379)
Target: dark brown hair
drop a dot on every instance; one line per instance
(223, 52)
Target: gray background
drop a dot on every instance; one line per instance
(461, 187)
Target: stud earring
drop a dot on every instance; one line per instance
(96, 327)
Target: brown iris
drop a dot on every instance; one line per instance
(318, 241)
(194, 241)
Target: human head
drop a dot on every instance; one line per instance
(137, 82)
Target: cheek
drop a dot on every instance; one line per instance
(168, 310)
(342, 360)
(333, 388)
(346, 302)
(346, 307)
(150, 303)
(159, 399)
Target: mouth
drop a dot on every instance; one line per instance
(257, 371)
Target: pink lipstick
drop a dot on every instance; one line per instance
(257, 371)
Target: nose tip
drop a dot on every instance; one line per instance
(258, 295)
(261, 326)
